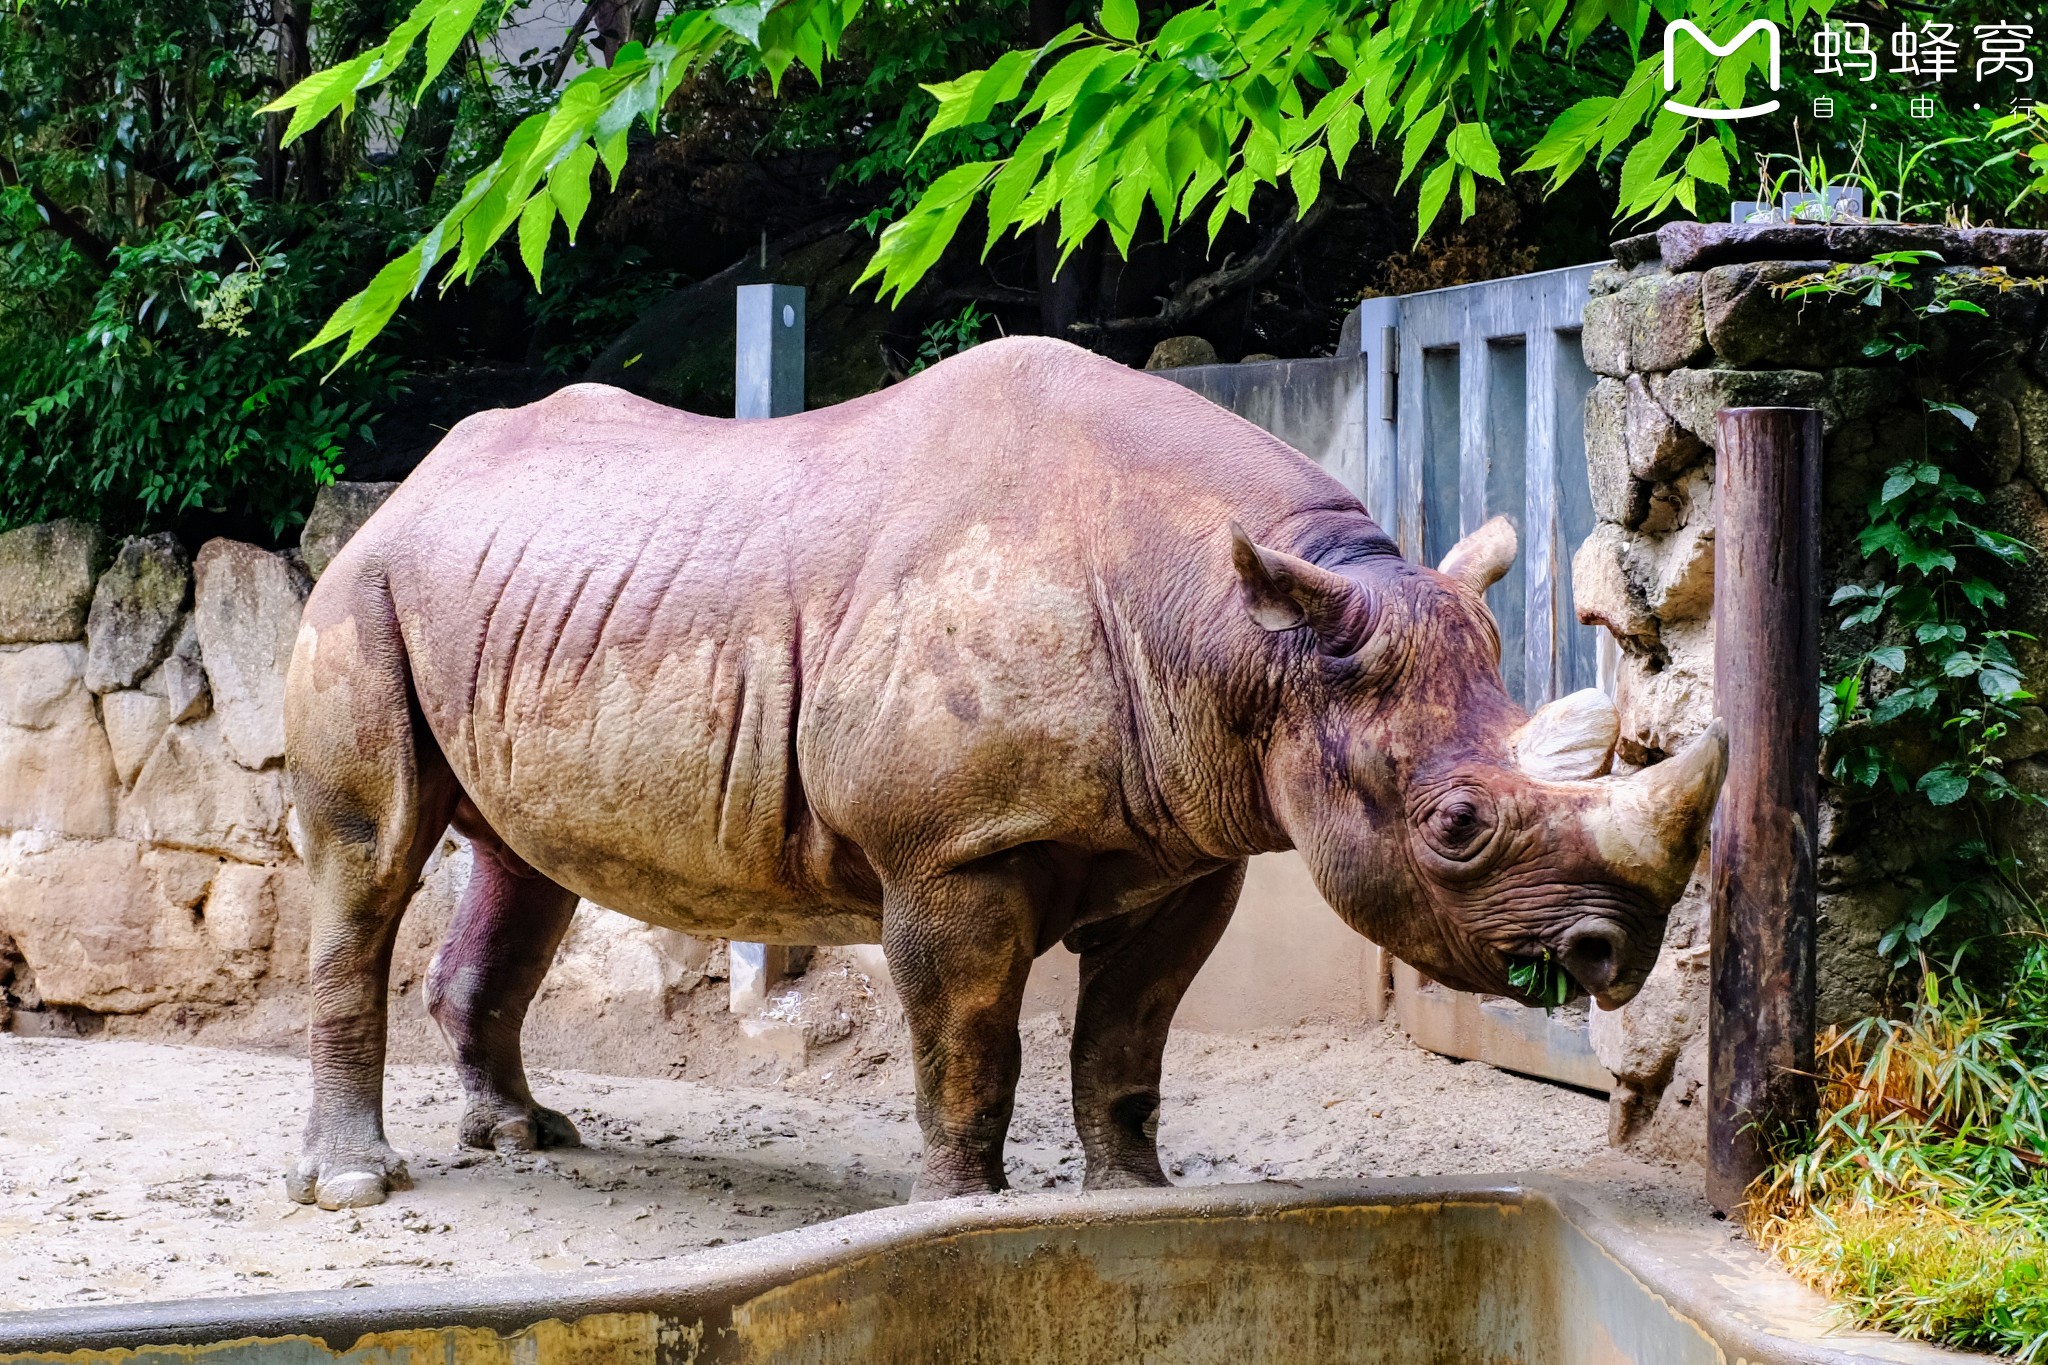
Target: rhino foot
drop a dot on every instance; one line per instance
(496, 1128)
(347, 1179)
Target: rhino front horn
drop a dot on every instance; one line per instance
(1657, 820)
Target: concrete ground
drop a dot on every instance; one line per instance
(136, 1171)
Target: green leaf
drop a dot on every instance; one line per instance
(569, 186)
(1897, 486)
(1430, 200)
(1955, 410)
(1943, 786)
(1709, 163)
(1415, 142)
(1305, 176)
(536, 220)
(1890, 656)
(1343, 133)
(1120, 19)
(1471, 145)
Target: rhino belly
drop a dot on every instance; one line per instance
(661, 783)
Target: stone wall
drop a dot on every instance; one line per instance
(1684, 324)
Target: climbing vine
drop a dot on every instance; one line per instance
(1923, 710)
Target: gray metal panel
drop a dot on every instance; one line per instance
(768, 360)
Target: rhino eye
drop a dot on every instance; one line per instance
(1460, 824)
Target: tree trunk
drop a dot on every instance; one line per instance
(294, 63)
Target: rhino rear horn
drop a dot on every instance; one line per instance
(1570, 740)
(1478, 561)
(1282, 592)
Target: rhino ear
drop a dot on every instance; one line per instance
(1282, 592)
(1478, 561)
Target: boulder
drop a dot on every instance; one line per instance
(1665, 708)
(109, 925)
(1674, 574)
(1602, 593)
(1750, 324)
(136, 610)
(46, 581)
(2027, 736)
(2018, 510)
(192, 793)
(1175, 352)
(241, 908)
(1618, 496)
(56, 772)
(609, 963)
(135, 721)
(246, 608)
(1692, 397)
(1604, 334)
(1667, 323)
(2031, 405)
(339, 511)
(181, 678)
(1658, 447)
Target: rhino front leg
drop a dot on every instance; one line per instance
(959, 947)
(1133, 974)
(483, 977)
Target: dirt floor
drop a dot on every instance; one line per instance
(133, 1171)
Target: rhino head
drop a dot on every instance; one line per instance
(1439, 818)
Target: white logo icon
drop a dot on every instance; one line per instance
(1686, 26)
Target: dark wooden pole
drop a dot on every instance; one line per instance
(1766, 686)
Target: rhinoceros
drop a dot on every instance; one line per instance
(1029, 649)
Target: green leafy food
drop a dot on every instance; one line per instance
(1541, 979)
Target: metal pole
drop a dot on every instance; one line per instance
(768, 381)
(1761, 887)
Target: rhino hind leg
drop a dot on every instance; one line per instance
(372, 796)
(959, 946)
(1133, 973)
(483, 976)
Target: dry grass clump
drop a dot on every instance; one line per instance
(1921, 1203)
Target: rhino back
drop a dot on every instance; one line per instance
(722, 673)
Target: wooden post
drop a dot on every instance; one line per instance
(768, 381)
(1762, 891)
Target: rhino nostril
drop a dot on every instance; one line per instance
(1592, 954)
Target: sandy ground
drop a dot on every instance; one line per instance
(133, 1171)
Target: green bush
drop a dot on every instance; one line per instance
(155, 280)
(1921, 1203)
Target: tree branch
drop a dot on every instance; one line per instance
(90, 244)
(1204, 292)
(567, 51)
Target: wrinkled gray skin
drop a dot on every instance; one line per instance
(1032, 648)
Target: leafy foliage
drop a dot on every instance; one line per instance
(1923, 708)
(1921, 1203)
(949, 336)
(144, 347)
(1220, 98)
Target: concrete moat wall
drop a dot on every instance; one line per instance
(149, 885)
(1684, 324)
